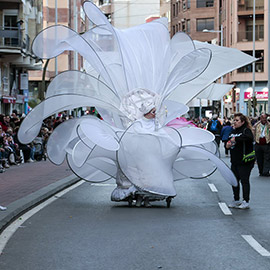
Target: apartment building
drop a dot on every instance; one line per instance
(237, 21)
(19, 23)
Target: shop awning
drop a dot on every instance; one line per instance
(8, 99)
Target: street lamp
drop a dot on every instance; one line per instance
(221, 44)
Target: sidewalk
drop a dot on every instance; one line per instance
(24, 186)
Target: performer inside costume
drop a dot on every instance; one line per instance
(130, 74)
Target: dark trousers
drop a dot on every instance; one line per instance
(242, 174)
(217, 139)
(226, 149)
(263, 158)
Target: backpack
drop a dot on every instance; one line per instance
(213, 126)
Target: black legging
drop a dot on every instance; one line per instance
(226, 149)
(242, 174)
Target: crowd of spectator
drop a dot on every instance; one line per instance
(13, 152)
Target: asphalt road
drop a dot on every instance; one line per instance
(83, 229)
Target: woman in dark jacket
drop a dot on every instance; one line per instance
(240, 143)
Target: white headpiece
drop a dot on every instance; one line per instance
(138, 102)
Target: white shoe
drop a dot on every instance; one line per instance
(244, 205)
(3, 208)
(30, 160)
(235, 204)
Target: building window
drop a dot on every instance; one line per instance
(205, 3)
(188, 3)
(202, 24)
(259, 65)
(188, 26)
(184, 26)
(173, 10)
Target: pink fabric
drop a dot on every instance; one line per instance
(180, 122)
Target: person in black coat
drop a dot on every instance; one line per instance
(240, 143)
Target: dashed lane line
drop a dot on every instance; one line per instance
(224, 208)
(11, 229)
(256, 245)
(212, 187)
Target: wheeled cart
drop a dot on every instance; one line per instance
(151, 197)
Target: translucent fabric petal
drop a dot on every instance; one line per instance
(190, 67)
(80, 83)
(101, 135)
(80, 153)
(224, 170)
(60, 139)
(193, 135)
(169, 111)
(147, 159)
(193, 165)
(54, 40)
(135, 50)
(52, 105)
(88, 171)
(181, 44)
(230, 58)
(189, 164)
(215, 91)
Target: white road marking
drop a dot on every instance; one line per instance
(224, 208)
(11, 229)
(102, 184)
(213, 187)
(256, 245)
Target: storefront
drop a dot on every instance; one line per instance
(261, 99)
(7, 104)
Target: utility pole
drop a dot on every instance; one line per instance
(56, 22)
(75, 23)
(253, 54)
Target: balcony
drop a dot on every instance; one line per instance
(250, 8)
(247, 36)
(11, 38)
(248, 4)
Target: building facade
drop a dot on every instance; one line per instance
(235, 20)
(20, 21)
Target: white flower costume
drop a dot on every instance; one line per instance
(128, 73)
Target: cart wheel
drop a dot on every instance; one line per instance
(130, 201)
(169, 200)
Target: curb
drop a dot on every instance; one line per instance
(24, 204)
